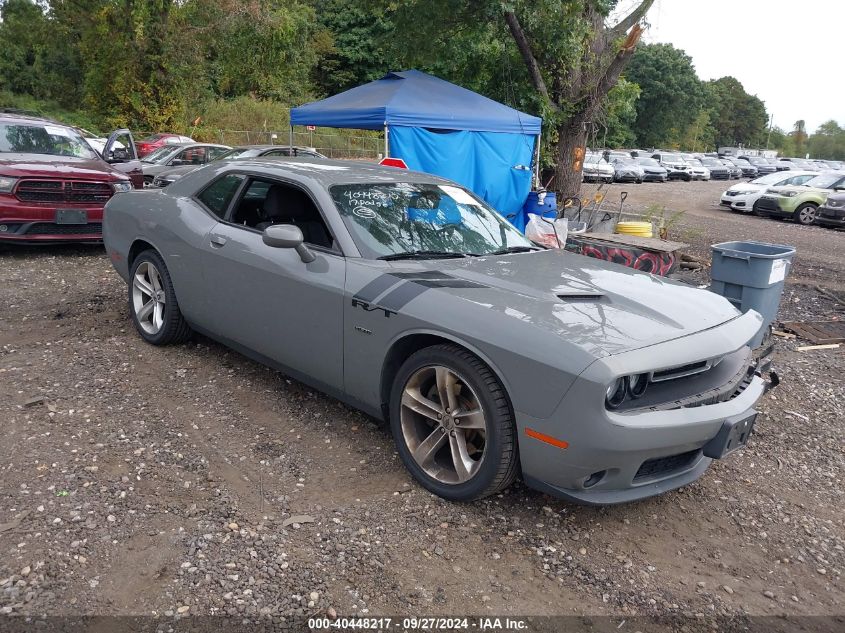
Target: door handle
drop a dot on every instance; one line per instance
(217, 240)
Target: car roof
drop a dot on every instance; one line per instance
(331, 172)
(7, 116)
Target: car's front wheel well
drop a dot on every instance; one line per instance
(138, 247)
(402, 349)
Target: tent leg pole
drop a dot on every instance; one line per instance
(537, 183)
(386, 141)
(290, 138)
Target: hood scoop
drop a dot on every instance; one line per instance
(582, 297)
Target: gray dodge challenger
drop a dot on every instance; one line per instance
(408, 297)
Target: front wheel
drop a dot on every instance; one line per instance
(453, 425)
(805, 214)
(152, 302)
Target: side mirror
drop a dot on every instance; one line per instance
(119, 155)
(288, 236)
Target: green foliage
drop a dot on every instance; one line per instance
(351, 44)
(671, 94)
(620, 114)
(828, 141)
(736, 117)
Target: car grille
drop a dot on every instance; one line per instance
(46, 228)
(63, 191)
(767, 204)
(663, 466)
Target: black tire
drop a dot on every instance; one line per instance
(805, 214)
(500, 463)
(148, 180)
(174, 328)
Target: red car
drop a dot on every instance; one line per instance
(151, 143)
(53, 185)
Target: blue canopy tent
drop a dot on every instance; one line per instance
(443, 129)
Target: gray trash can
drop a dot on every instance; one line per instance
(751, 276)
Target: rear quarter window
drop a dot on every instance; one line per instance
(218, 195)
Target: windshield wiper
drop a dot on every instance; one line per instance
(516, 249)
(423, 255)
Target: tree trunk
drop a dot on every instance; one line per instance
(571, 137)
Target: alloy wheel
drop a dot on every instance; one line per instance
(443, 424)
(148, 298)
(807, 215)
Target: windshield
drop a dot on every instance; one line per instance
(649, 162)
(239, 152)
(672, 158)
(152, 139)
(392, 218)
(594, 158)
(771, 179)
(159, 154)
(711, 162)
(54, 140)
(695, 162)
(824, 181)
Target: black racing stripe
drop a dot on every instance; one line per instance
(449, 283)
(398, 298)
(423, 274)
(380, 284)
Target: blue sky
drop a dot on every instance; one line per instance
(789, 54)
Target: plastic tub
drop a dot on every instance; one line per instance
(751, 276)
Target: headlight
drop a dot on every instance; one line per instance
(788, 194)
(621, 389)
(121, 186)
(745, 192)
(7, 183)
(617, 392)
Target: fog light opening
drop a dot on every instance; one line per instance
(595, 478)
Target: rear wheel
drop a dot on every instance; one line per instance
(805, 214)
(452, 424)
(152, 302)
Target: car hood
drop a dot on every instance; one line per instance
(44, 166)
(747, 186)
(603, 308)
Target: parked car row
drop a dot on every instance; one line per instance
(803, 196)
(639, 165)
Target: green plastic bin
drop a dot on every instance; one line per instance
(751, 276)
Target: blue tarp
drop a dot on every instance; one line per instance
(495, 166)
(414, 99)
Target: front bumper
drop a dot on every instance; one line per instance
(36, 223)
(777, 205)
(738, 203)
(622, 456)
(827, 216)
(655, 177)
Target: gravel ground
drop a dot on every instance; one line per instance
(190, 480)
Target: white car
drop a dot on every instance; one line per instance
(744, 195)
(97, 143)
(597, 169)
(699, 171)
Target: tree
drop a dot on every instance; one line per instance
(671, 94)
(827, 142)
(737, 118)
(620, 113)
(799, 137)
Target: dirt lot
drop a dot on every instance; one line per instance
(142, 480)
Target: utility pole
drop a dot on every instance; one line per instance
(769, 136)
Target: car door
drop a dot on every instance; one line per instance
(269, 301)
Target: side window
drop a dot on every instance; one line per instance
(278, 152)
(219, 194)
(265, 203)
(215, 152)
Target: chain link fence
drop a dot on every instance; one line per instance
(334, 144)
